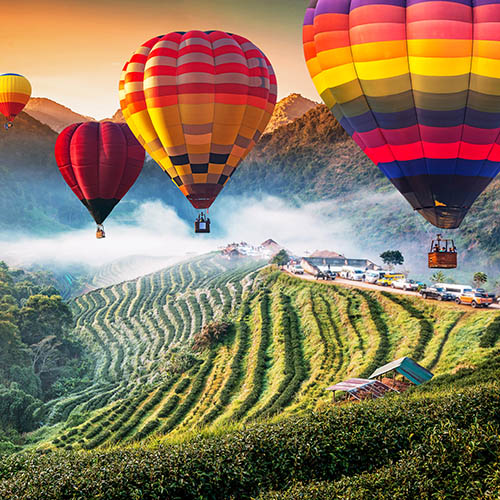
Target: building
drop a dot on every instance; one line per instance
(321, 260)
(411, 371)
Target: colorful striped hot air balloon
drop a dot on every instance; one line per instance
(100, 162)
(198, 102)
(15, 92)
(417, 85)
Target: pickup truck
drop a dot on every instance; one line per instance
(436, 293)
(405, 285)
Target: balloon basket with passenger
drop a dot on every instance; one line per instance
(202, 223)
(100, 234)
(442, 254)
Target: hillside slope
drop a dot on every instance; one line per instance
(287, 340)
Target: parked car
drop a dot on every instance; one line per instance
(475, 299)
(297, 269)
(389, 278)
(436, 293)
(352, 273)
(327, 275)
(372, 276)
(454, 289)
(405, 285)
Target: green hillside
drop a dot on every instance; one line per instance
(283, 342)
(206, 380)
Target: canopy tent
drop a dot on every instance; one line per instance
(361, 388)
(408, 368)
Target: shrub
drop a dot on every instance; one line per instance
(211, 334)
(320, 446)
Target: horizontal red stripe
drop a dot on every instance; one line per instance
(380, 14)
(440, 150)
(487, 13)
(495, 153)
(163, 51)
(452, 30)
(446, 11)
(473, 151)
(383, 32)
(194, 48)
(487, 31)
(228, 49)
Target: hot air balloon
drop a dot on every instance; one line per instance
(417, 86)
(15, 92)
(100, 162)
(198, 102)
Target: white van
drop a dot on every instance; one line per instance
(372, 276)
(454, 289)
(351, 273)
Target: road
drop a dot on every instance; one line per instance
(370, 286)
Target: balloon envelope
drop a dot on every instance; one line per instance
(15, 92)
(100, 162)
(417, 85)
(198, 102)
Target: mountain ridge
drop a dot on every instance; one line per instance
(55, 115)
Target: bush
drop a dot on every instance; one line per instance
(492, 334)
(320, 446)
(260, 368)
(211, 334)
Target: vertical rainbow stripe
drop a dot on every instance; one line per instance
(417, 85)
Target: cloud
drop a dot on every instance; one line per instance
(155, 230)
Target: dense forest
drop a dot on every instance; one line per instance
(39, 360)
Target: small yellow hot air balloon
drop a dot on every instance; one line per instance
(15, 92)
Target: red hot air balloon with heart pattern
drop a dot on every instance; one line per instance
(100, 162)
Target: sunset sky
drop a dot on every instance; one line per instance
(73, 51)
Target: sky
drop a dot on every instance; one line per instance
(72, 51)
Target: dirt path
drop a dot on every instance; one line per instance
(371, 286)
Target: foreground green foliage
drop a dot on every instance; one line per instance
(428, 444)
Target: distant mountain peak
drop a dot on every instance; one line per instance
(53, 114)
(271, 245)
(288, 110)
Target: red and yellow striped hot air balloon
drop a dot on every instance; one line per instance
(15, 92)
(198, 102)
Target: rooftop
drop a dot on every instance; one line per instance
(408, 368)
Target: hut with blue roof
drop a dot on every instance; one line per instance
(407, 367)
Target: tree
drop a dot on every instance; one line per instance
(480, 278)
(281, 258)
(43, 316)
(438, 277)
(392, 257)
